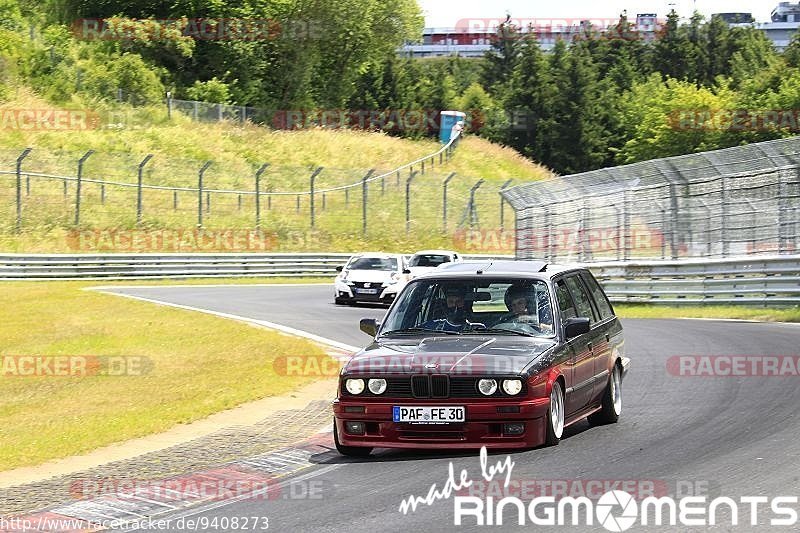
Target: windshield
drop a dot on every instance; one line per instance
(373, 263)
(429, 260)
(502, 307)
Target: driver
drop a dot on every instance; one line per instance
(524, 309)
(456, 304)
(454, 316)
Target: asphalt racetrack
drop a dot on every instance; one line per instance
(729, 436)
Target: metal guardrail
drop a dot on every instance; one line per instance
(755, 280)
(172, 266)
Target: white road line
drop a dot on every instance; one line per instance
(105, 287)
(272, 325)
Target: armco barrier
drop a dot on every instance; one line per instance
(175, 266)
(754, 280)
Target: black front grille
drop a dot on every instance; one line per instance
(398, 388)
(420, 386)
(440, 387)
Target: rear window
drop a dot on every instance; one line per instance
(373, 263)
(583, 303)
(600, 299)
(429, 260)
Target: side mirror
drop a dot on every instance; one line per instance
(369, 326)
(339, 268)
(406, 271)
(574, 327)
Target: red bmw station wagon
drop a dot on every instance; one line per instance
(501, 354)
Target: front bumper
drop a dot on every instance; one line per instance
(483, 425)
(345, 293)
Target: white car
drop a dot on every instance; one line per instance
(370, 277)
(428, 260)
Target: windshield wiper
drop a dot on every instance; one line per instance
(502, 330)
(417, 329)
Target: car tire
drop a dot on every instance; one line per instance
(349, 451)
(555, 416)
(612, 400)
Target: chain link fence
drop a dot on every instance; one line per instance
(736, 201)
(101, 202)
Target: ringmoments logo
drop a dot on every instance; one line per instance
(615, 510)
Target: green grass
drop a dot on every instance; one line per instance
(761, 314)
(201, 365)
(181, 146)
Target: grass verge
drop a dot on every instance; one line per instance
(760, 314)
(215, 364)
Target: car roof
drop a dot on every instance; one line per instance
(438, 252)
(381, 255)
(534, 269)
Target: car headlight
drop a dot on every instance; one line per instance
(512, 387)
(377, 386)
(354, 386)
(487, 386)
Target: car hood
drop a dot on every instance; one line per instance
(462, 355)
(372, 276)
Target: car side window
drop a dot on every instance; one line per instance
(600, 299)
(564, 301)
(583, 304)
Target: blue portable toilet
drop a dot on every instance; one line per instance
(449, 119)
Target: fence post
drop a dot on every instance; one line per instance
(503, 203)
(408, 200)
(27, 185)
(323, 201)
(626, 223)
(782, 205)
(423, 167)
(724, 223)
(444, 200)
(364, 187)
(139, 189)
(297, 204)
(259, 172)
(174, 200)
(311, 192)
(169, 105)
(200, 193)
(22, 156)
(208, 202)
(473, 215)
(548, 243)
(81, 161)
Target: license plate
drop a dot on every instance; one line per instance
(428, 414)
(366, 291)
